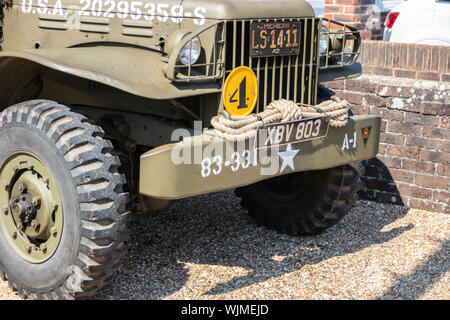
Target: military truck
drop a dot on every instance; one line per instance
(107, 108)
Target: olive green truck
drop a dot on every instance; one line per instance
(115, 106)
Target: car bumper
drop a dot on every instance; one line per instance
(205, 163)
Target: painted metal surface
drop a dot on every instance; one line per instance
(221, 165)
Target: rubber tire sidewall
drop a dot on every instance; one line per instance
(273, 210)
(44, 277)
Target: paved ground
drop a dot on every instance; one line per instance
(208, 248)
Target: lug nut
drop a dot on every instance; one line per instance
(14, 235)
(28, 247)
(19, 225)
(35, 224)
(22, 188)
(43, 248)
(36, 201)
(6, 210)
(53, 232)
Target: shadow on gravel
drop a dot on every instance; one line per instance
(214, 230)
(422, 278)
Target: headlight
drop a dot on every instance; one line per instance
(191, 52)
(323, 43)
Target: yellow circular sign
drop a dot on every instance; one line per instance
(240, 92)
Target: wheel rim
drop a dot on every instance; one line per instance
(31, 216)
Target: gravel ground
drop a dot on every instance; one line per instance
(208, 248)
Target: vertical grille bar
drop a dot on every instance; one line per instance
(311, 61)
(266, 75)
(243, 43)
(302, 100)
(273, 77)
(234, 43)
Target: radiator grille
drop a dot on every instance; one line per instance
(289, 77)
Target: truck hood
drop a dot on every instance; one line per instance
(247, 9)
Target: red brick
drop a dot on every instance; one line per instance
(445, 77)
(396, 54)
(334, 9)
(415, 192)
(394, 91)
(435, 108)
(420, 142)
(438, 133)
(351, 2)
(382, 54)
(391, 162)
(385, 197)
(359, 109)
(403, 176)
(427, 58)
(406, 128)
(443, 58)
(374, 100)
(382, 148)
(403, 62)
(421, 119)
(405, 74)
(361, 85)
(355, 98)
(378, 71)
(383, 125)
(441, 196)
(390, 138)
(444, 146)
(418, 65)
(389, 54)
(432, 76)
(443, 169)
(435, 59)
(334, 85)
(418, 166)
(426, 205)
(444, 122)
(431, 182)
(403, 151)
(411, 59)
(435, 156)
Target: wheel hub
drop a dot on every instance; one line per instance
(32, 208)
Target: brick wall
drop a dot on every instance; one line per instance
(357, 13)
(405, 60)
(413, 164)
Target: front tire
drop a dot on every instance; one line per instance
(303, 203)
(51, 154)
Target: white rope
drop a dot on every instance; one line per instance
(235, 128)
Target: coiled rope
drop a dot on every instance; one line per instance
(235, 128)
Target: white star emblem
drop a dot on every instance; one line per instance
(288, 158)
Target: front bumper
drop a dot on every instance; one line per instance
(205, 163)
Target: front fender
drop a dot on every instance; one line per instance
(133, 70)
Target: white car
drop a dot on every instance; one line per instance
(419, 21)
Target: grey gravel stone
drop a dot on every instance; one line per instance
(207, 247)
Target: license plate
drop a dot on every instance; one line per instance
(268, 39)
(279, 134)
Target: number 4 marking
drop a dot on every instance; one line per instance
(242, 95)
